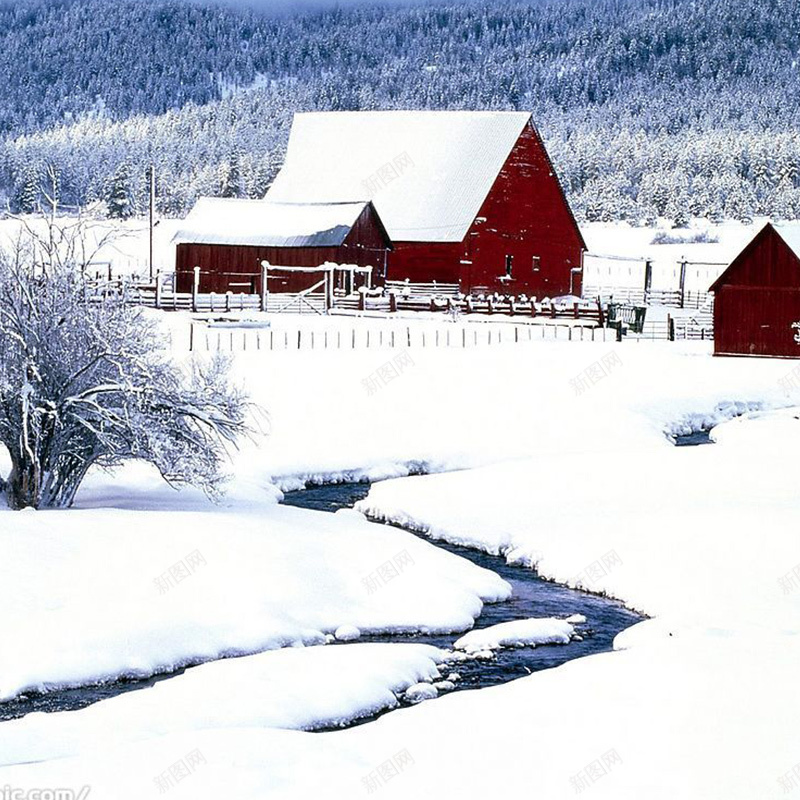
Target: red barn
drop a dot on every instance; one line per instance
(757, 298)
(467, 197)
(228, 239)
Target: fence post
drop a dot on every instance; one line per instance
(392, 302)
(264, 268)
(228, 298)
(195, 287)
(648, 279)
(683, 280)
(328, 291)
(670, 328)
(158, 289)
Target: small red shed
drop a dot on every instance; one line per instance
(468, 197)
(757, 298)
(229, 238)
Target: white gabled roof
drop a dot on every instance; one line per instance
(427, 172)
(216, 220)
(790, 233)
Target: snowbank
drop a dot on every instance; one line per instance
(94, 594)
(518, 633)
(298, 689)
(455, 409)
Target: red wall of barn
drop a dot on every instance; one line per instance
(757, 299)
(525, 215)
(423, 262)
(756, 321)
(237, 268)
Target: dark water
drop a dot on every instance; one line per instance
(532, 597)
(73, 699)
(691, 439)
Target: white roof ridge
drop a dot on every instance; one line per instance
(314, 203)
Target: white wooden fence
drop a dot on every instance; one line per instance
(643, 281)
(206, 338)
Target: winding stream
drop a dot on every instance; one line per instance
(532, 597)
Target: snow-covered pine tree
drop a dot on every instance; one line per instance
(28, 188)
(119, 196)
(230, 176)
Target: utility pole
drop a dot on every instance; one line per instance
(151, 174)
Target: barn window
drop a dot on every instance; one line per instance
(509, 265)
(536, 263)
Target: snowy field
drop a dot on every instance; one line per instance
(553, 454)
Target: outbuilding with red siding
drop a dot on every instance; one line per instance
(757, 298)
(228, 239)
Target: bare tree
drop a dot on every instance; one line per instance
(86, 383)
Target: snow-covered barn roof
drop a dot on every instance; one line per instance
(427, 172)
(216, 220)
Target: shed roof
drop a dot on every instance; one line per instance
(215, 220)
(427, 172)
(789, 232)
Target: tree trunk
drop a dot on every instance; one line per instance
(23, 487)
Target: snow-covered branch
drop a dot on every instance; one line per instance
(84, 383)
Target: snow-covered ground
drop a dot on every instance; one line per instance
(562, 460)
(140, 588)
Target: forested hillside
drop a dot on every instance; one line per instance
(649, 107)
